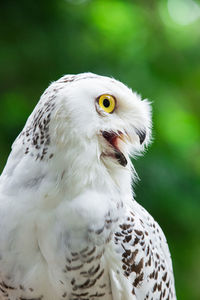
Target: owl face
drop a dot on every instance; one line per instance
(103, 113)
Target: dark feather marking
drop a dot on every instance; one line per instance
(80, 294)
(99, 231)
(136, 241)
(91, 252)
(4, 285)
(64, 295)
(137, 267)
(68, 268)
(164, 276)
(155, 287)
(138, 279)
(97, 295)
(39, 298)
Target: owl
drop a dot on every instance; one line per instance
(70, 226)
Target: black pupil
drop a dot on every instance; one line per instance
(106, 102)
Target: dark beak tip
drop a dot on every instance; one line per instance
(142, 135)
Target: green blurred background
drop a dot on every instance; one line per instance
(154, 47)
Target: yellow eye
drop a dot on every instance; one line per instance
(107, 103)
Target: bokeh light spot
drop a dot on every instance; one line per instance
(183, 12)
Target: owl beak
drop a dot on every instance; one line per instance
(113, 139)
(116, 141)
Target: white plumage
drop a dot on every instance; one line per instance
(70, 228)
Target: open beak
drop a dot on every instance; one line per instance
(114, 138)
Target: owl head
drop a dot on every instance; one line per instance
(102, 110)
(87, 118)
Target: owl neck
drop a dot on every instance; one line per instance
(77, 172)
(65, 174)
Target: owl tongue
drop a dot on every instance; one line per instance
(113, 138)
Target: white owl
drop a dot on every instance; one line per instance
(70, 227)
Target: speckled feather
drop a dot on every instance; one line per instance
(70, 228)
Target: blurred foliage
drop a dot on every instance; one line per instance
(141, 44)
